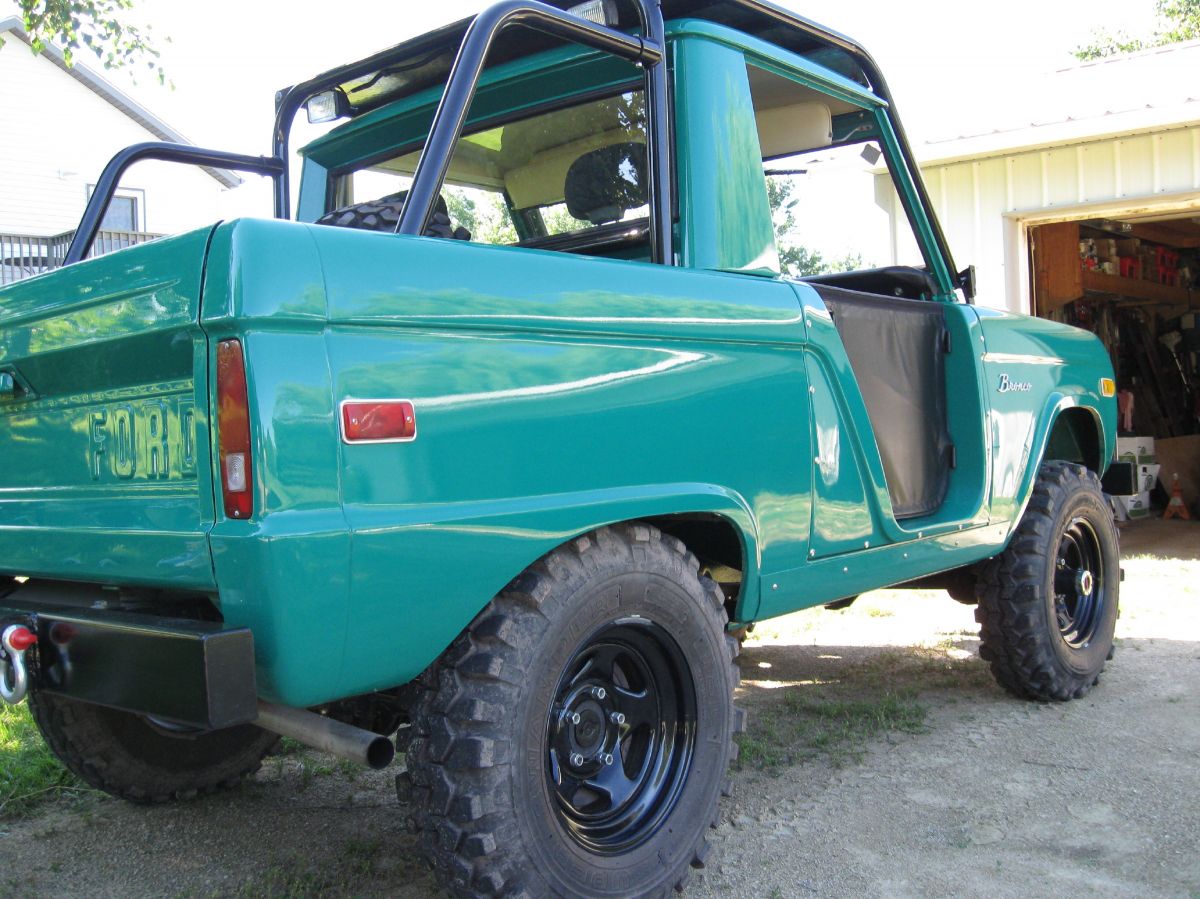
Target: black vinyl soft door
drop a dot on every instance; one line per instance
(897, 349)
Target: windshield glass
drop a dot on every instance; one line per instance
(569, 170)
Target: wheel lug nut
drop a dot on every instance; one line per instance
(617, 718)
(576, 759)
(607, 758)
(599, 693)
(575, 719)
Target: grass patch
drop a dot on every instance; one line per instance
(799, 727)
(919, 668)
(352, 871)
(30, 775)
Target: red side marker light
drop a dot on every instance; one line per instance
(378, 421)
(20, 638)
(233, 430)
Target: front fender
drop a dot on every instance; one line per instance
(1035, 371)
(1056, 405)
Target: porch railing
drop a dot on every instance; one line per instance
(25, 255)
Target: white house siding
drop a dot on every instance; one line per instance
(56, 136)
(986, 204)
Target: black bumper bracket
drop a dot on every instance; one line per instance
(186, 672)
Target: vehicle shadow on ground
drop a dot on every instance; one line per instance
(308, 825)
(828, 703)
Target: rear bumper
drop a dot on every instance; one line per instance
(187, 672)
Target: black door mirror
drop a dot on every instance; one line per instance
(966, 283)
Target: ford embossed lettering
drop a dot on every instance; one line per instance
(150, 439)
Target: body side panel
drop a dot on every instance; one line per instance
(544, 410)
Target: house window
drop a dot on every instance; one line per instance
(126, 211)
(122, 215)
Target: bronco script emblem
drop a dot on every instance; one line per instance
(1007, 385)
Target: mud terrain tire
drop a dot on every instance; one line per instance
(384, 214)
(1048, 603)
(514, 730)
(126, 756)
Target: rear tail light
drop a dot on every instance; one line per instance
(233, 430)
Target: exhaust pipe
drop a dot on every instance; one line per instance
(323, 733)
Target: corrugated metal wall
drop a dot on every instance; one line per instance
(986, 204)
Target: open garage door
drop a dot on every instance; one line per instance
(1135, 283)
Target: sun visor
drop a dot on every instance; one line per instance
(785, 130)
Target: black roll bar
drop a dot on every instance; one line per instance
(648, 50)
(85, 234)
(450, 118)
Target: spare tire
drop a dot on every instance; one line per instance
(384, 214)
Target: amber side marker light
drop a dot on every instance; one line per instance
(1108, 387)
(233, 430)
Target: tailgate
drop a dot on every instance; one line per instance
(104, 454)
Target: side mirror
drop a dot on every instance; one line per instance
(966, 283)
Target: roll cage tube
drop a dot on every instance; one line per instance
(93, 214)
(648, 51)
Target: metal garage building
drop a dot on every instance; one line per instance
(1116, 139)
(1077, 198)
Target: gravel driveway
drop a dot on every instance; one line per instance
(967, 793)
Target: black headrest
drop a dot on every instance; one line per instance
(604, 184)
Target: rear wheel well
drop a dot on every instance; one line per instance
(1075, 437)
(717, 543)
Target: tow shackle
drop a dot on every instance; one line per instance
(14, 678)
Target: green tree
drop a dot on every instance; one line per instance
(481, 212)
(1178, 20)
(101, 26)
(795, 260)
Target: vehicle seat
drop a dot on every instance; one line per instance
(602, 185)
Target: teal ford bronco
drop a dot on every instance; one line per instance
(491, 440)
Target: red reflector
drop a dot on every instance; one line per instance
(20, 638)
(233, 430)
(378, 421)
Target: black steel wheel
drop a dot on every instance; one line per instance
(574, 741)
(1048, 603)
(621, 735)
(1079, 587)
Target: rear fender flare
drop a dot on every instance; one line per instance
(504, 538)
(665, 502)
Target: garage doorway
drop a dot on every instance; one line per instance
(1134, 281)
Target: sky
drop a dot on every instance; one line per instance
(226, 59)
(942, 58)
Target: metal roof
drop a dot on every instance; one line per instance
(1149, 90)
(116, 98)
